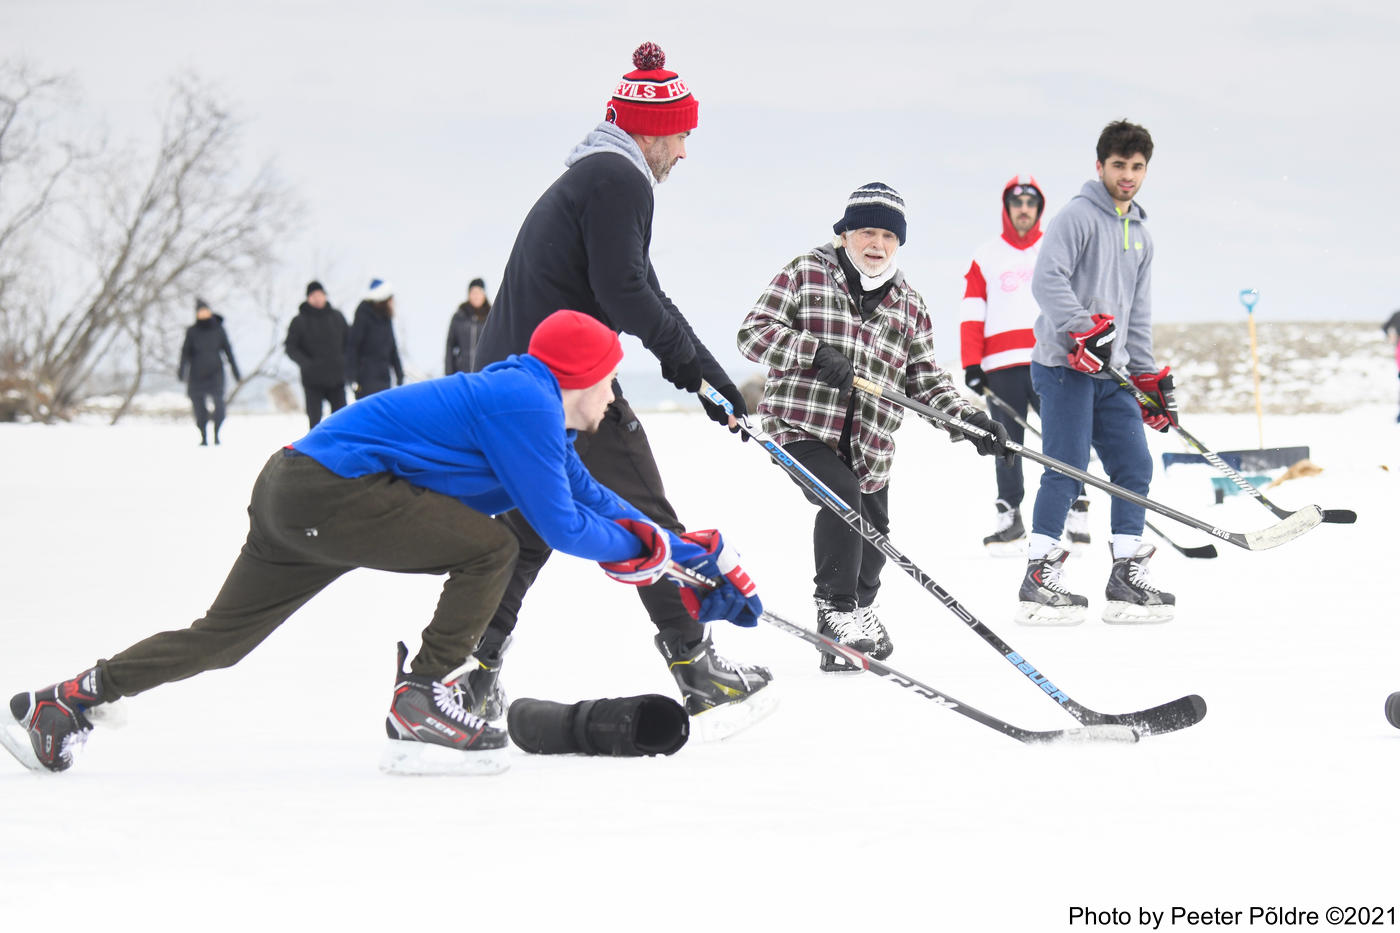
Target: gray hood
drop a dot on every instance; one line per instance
(1096, 194)
(606, 137)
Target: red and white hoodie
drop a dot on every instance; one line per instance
(998, 310)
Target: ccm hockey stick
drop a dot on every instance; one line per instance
(1295, 524)
(1332, 516)
(1169, 717)
(1205, 550)
(1084, 734)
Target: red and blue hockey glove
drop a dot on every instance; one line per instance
(1093, 346)
(735, 599)
(650, 565)
(1161, 389)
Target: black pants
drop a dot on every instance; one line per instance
(1013, 386)
(307, 527)
(847, 566)
(366, 389)
(619, 457)
(200, 398)
(317, 395)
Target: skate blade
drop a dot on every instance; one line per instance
(1034, 614)
(1120, 613)
(721, 722)
(422, 758)
(15, 738)
(1015, 548)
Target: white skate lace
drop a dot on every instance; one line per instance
(72, 742)
(870, 623)
(448, 699)
(846, 626)
(1137, 576)
(724, 664)
(1050, 577)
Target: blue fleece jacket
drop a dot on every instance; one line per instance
(494, 440)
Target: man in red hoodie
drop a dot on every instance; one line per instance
(998, 313)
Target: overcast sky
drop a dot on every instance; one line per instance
(418, 134)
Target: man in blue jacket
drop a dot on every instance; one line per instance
(1092, 282)
(407, 481)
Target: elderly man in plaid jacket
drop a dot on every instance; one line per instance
(839, 310)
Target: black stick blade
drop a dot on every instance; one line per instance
(1339, 516)
(1159, 720)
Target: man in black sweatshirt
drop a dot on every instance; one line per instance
(585, 246)
(316, 343)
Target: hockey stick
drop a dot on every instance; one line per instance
(1169, 717)
(1278, 533)
(1205, 550)
(1333, 516)
(1084, 734)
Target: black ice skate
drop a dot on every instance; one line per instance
(1044, 601)
(871, 624)
(431, 730)
(1077, 523)
(480, 679)
(841, 621)
(1131, 595)
(44, 728)
(1009, 539)
(721, 697)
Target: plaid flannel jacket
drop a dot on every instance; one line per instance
(808, 304)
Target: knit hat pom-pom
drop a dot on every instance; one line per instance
(649, 57)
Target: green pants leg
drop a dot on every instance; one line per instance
(308, 526)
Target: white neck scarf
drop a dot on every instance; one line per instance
(868, 284)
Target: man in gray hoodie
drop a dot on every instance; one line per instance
(1092, 283)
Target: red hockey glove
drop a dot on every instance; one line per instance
(735, 599)
(1093, 346)
(1160, 388)
(649, 566)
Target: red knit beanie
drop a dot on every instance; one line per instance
(651, 101)
(580, 350)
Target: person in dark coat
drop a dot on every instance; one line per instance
(202, 369)
(316, 343)
(465, 330)
(372, 353)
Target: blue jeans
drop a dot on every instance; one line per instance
(1077, 410)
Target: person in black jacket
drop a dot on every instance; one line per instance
(371, 353)
(316, 343)
(464, 331)
(202, 369)
(585, 245)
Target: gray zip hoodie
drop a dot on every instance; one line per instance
(1094, 261)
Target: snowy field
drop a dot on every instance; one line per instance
(251, 796)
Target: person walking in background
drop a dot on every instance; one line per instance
(371, 352)
(406, 482)
(464, 330)
(997, 330)
(1392, 331)
(585, 244)
(202, 368)
(840, 310)
(1093, 284)
(316, 343)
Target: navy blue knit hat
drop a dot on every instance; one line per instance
(874, 205)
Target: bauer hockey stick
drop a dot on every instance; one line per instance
(1332, 516)
(1084, 734)
(1169, 717)
(1295, 524)
(1205, 550)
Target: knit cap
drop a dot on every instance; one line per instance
(580, 350)
(874, 205)
(651, 101)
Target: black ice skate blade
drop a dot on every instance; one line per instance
(1392, 709)
(15, 738)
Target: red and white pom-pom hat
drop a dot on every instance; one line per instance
(652, 101)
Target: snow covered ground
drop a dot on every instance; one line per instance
(251, 796)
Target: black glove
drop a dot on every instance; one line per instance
(991, 443)
(685, 376)
(832, 367)
(717, 413)
(975, 378)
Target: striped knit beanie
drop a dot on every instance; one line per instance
(652, 101)
(874, 205)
